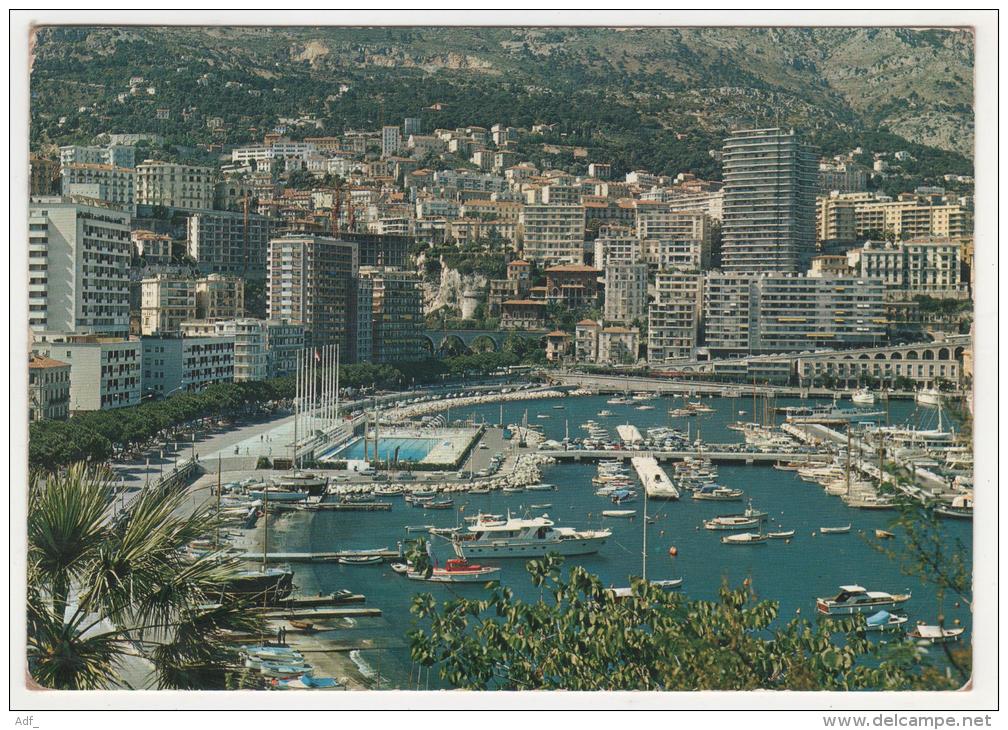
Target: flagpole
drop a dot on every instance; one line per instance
(336, 404)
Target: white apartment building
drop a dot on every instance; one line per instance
(617, 244)
(154, 248)
(929, 266)
(48, 389)
(174, 364)
(263, 348)
(220, 297)
(78, 268)
(618, 345)
(165, 303)
(553, 234)
(625, 291)
(171, 185)
(674, 317)
(391, 141)
(114, 185)
(116, 155)
(437, 208)
(104, 371)
(674, 238)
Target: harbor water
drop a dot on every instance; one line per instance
(793, 573)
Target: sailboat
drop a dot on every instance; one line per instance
(626, 591)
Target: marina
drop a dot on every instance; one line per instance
(595, 513)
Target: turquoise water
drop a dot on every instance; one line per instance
(408, 449)
(793, 574)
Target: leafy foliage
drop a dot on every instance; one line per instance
(580, 636)
(105, 585)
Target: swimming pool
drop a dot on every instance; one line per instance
(393, 448)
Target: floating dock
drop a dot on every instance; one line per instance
(629, 433)
(709, 452)
(320, 557)
(653, 477)
(352, 506)
(320, 613)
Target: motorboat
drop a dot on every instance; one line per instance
(626, 591)
(275, 583)
(278, 494)
(835, 530)
(303, 482)
(511, 489)
(928, 397)
(884, 534)
(884, 621)
(418, 528)
(961, 508)
(360, 559)
(863, 397)
(744, 538)
(855, 599)
(645, 407)
(541, 487)
(781, 534)
(440, 504)
(731, 522)
(935, 634)
(715, 493)
(619, 512)
(527, 538)
(547, 505)
(605, 413)
(619, 401)
(623, 495)
(455, 570)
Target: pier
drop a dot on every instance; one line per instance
(711, 452)
(352, 506)
(629, 433)
(321, 613)
(653, 477)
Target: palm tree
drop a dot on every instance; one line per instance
(104, 584)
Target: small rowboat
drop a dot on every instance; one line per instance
(442, 504)
(744, 538)
(547, 505)
(418, 528)
(361, 559)
(835, 530)
(619, 512)
(934, 634)
(781, 535)
(883, 534)
(306, 626)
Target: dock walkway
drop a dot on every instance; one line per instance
(653, 477)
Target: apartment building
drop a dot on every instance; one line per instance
(165, 303)
(929, 266)
(725, 315)
(391, 141)
(263, 348)
(626, 292)
(586, 334)
(151, 247)
(553, 234)
(48, 389)
(173, 185)
(229, 243)
(397, 315)
(857, 216)
(190, 364)
(617, 244)
(618, 345)
(674, 238)
(796, 312)
(311, 281)
(78, 267)
(104, 371)
(769, 201)
(220, 297)
(674, 316)
(115, 155)
(114, 185)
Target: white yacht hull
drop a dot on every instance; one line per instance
(504, 549)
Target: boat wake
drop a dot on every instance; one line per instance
(362, 666)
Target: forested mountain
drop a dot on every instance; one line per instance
(638, 97)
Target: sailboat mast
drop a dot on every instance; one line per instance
(644, 550)
(265, 525)
(217, 539)
(847, 470)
